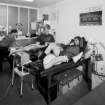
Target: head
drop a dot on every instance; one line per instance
(77, 40)
(47, 28)
(81, 42)
(19, 26)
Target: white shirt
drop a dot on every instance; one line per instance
(53, 47)
(1, 38)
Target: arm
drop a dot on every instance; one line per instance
(33, 46)
(77, 57)
(49, 48)
(26, 48)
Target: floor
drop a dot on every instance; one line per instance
(10, 95)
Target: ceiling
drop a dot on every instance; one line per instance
(35, 3)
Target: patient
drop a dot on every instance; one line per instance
(56, 53)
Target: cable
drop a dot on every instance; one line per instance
(6, 93)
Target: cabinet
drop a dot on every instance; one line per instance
(97, 77)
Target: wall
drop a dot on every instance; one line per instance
(68, 19)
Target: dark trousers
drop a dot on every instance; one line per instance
(4, 52)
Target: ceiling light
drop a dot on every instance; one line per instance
(29, 0)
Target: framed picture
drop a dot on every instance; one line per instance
(46, 17)
(91, 18)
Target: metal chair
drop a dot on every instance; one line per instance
(19, 61)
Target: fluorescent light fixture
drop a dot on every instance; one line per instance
(29, 0)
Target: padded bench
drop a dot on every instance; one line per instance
(68, 79)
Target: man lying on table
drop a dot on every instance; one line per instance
(56, 54)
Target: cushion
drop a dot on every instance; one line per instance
(69, 75)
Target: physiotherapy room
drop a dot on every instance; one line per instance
(67, 18)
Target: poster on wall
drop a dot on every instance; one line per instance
(91, 18)
(45, 17)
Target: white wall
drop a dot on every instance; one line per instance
(68, 19)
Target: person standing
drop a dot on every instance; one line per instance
(46, 37)
(5, 42)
